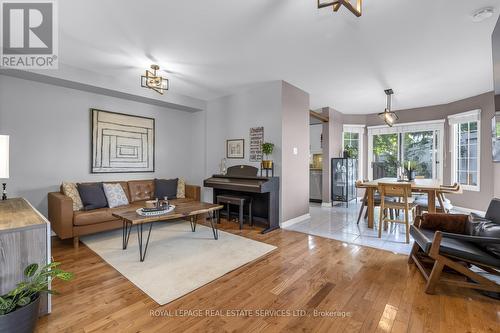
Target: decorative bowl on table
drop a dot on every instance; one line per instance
(162, 210)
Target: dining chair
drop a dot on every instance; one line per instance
(443, 204)
(405, 204)
(364, 201)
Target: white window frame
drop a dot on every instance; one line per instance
(430, 125)
(360, 129)
(454, 121)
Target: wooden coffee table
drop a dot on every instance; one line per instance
(188, 209)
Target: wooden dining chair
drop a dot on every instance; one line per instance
(364, 201)
(405, 204)
(443, 205)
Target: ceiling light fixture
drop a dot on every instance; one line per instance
(388, 116)
(483, 14)
(355, 9)
(154, 81)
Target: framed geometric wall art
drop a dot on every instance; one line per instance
(122, 143)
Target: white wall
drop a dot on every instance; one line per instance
(51, 140)
(231, 117)
(283, 111)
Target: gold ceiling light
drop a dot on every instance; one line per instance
(154, 81)
(354, 8)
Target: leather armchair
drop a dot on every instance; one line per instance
(451, 240)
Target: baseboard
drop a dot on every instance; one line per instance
(468, 210)
(295, 220)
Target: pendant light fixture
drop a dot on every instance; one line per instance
(153, 80)
(354, 7)
(388, 116)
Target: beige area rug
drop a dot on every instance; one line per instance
(178, 261)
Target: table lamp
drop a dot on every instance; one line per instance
(4, 163)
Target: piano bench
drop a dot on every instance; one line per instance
(239, 201)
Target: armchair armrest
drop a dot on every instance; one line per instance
(451, 223)
(61, 214)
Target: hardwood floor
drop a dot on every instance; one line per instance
(376, 290)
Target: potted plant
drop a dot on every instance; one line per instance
(267, 150)
(410, 168)
(350, 152)
(19, 307)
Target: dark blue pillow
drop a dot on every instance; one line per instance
(166, 188)
(92, 195)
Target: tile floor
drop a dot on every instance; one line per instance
(339, 222)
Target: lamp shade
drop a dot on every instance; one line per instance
(4, 156)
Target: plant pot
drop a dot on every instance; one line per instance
(22, 320)
(346, 154)
(411, 175)
(267, 164)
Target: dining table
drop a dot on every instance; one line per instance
(429, 186)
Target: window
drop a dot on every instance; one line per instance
(465, 149)
(420, 142)
(352, 140)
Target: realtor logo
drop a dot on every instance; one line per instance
(29, 34)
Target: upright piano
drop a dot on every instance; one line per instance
(264, 191)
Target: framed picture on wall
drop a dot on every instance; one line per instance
(122, 143)
(235, 148)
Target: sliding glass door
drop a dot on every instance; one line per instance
(419, 147)
(385, 155)
(419, 143)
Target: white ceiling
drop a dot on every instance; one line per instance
(429, 52)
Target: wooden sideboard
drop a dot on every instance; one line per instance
(24, 239)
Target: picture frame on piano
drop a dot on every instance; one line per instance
(235, 148)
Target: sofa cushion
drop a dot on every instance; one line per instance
(101, 215)
(141, 190)
(166, 188)
(71, 190)
(94, 216)
(92, 195)
(453, 247)
(115, 195)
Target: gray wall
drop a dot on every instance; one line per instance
(490, 172)
(295, 168)
(332, 147)
(50, 138)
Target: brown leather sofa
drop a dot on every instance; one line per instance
(67, 223)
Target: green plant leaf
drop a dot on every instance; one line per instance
(6, 305)
(30, 270)
(65, 276)
(24, 301)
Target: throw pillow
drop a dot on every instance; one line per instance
(181, 188)
(92, 195)
(70, 190)
(115, 195)
(166, 188)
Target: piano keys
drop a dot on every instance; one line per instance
(243, 180)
